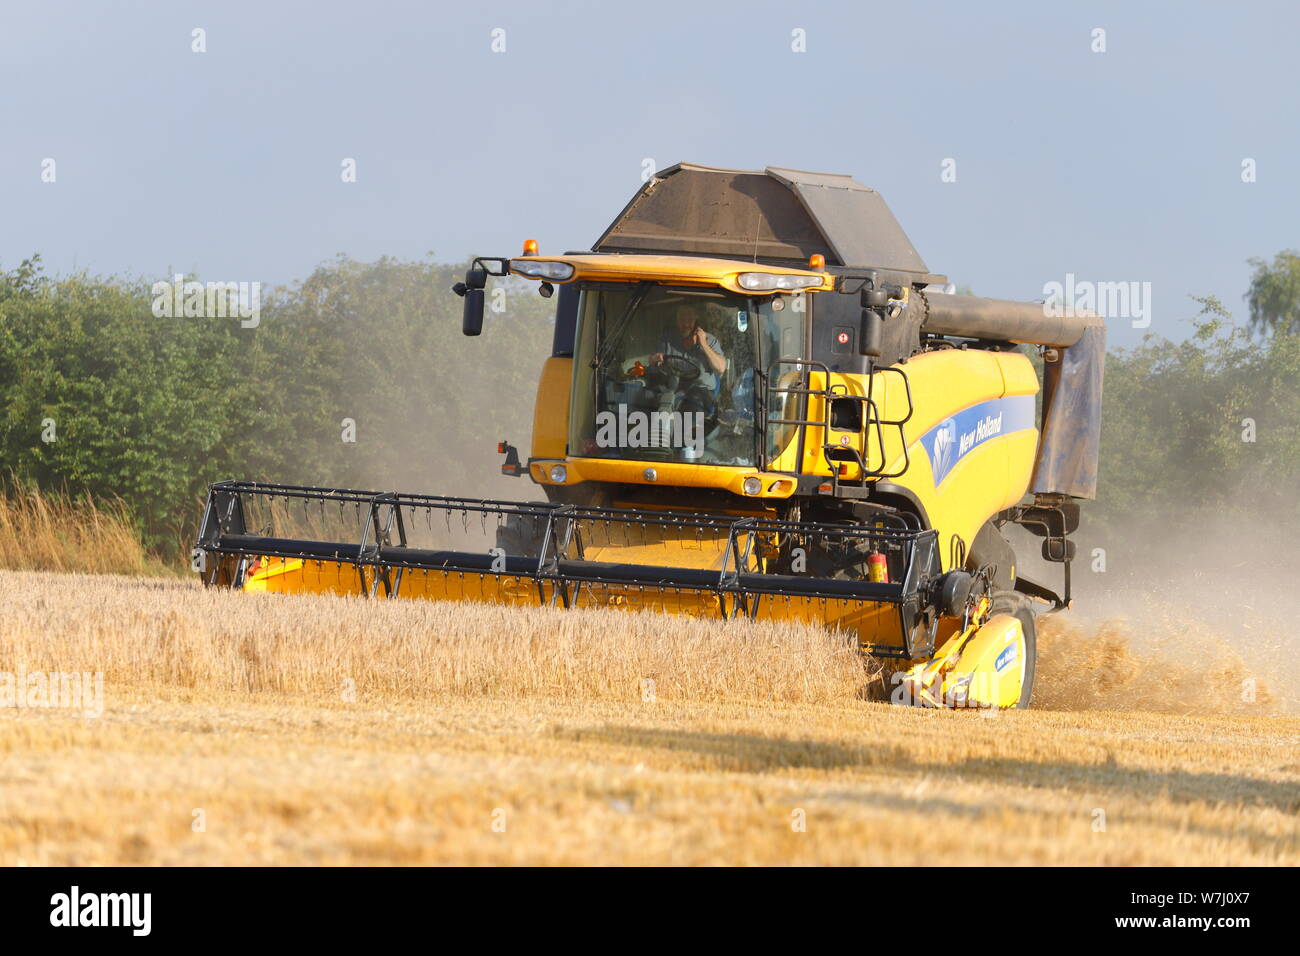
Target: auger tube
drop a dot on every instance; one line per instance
(975, 317)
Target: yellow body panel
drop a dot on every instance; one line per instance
(1018, 377)
(995, 474)
(990, 671)
(551, 411)
(982, 666)
(295, 576)
(668, 474)
(677, 270)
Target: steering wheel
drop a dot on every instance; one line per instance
(685, 369)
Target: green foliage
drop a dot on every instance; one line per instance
(1208, 425)
(136, 403)
(153, 409)
(1274, 296)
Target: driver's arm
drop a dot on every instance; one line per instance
(712, 351)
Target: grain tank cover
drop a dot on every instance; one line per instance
(774, 215)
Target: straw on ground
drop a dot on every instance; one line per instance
(247, 729)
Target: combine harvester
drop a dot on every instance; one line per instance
(761, 403)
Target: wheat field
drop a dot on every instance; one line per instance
(53, 531)
(258, 729)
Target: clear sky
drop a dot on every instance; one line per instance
(1123, 165)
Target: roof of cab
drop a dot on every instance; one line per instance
(773, 215)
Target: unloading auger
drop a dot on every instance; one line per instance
(759, 402)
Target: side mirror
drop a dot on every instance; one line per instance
(472, 321)
(873, 300)
(472, 291)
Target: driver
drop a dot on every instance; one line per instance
(693, 343)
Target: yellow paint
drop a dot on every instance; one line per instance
(976, 669)
(331, 577)
(964, 670)
(675, 270)
(668, 475)
(551, 412)
(992, 476)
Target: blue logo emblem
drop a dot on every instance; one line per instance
(943, 450)
(954, 438)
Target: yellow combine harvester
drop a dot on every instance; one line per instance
(759, 402)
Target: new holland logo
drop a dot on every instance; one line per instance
(953, 438)
(986, 427)
(1006, 658)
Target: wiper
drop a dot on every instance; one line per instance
(606, 350)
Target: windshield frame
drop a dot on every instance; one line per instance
(593, 354)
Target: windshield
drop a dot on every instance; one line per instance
(668, 374)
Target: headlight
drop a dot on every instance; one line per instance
(775, 282)
(753, 485)
(557, 271)
(559, 474)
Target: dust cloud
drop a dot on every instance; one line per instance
(1185, 613)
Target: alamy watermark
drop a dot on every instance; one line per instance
(75, 690)
(208, 300)
(1110, 300)
(130, 910)
(634, 428)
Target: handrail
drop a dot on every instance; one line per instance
(871, 417)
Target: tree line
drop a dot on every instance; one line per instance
(359, 377)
